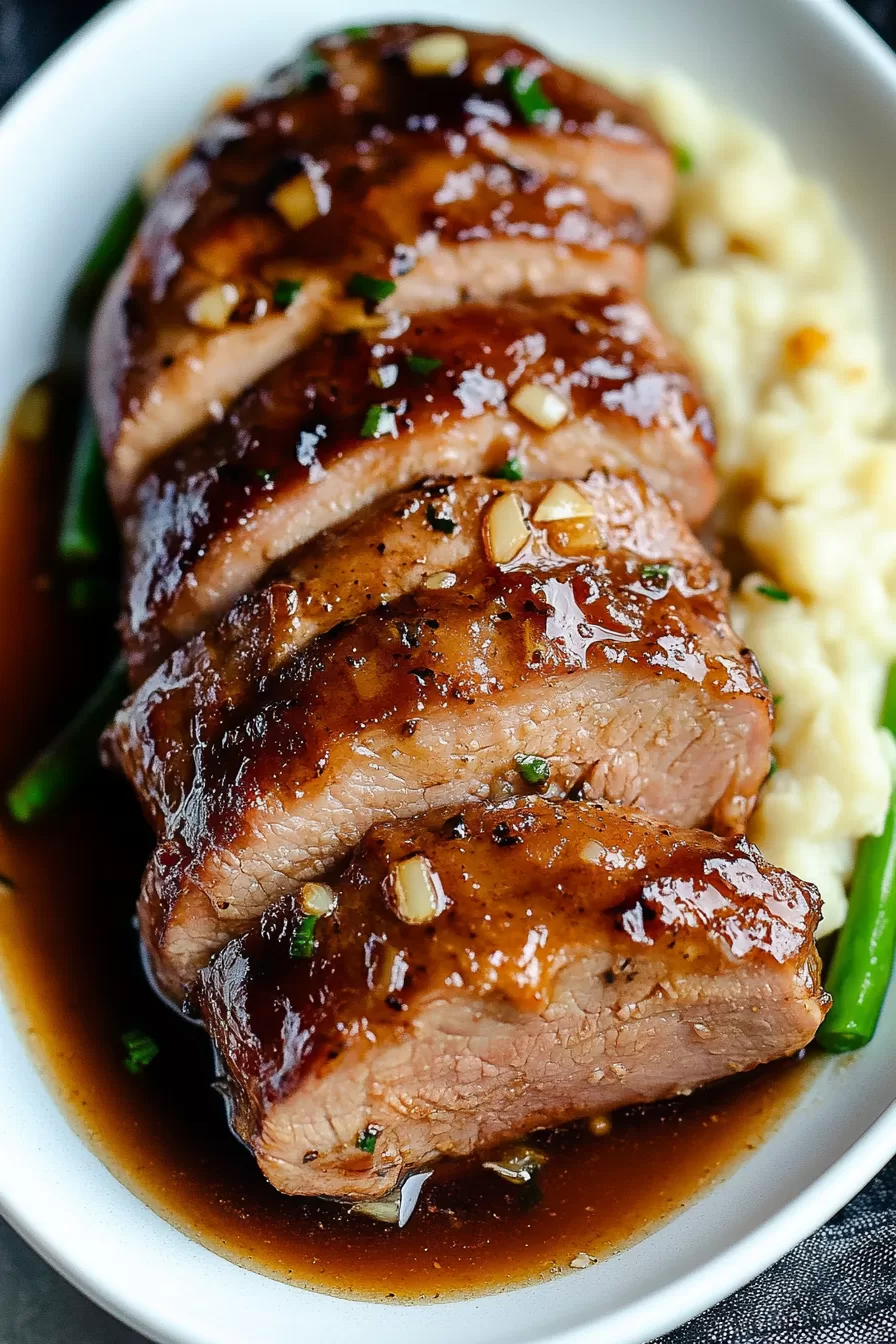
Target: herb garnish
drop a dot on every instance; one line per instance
(369, 287)
(527, 95)
(439, 521)
(512, 470)
(773, 592)
(302, 943)
(366, 1140)
(684, 159)
(772, 768)
(378, 421)
(285, 292)
(533, 769)
(357, 34)
(141, 1050)
(421, 365)
(655, 571)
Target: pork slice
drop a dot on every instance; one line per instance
(589, 132)
(625, 680)
(575, 959)
(432, 225)
(429, 536)
(300, 452)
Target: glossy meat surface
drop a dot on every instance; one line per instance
(584, 959)
(628, 682)
(291, 458)
(426, 184)
(430, 536)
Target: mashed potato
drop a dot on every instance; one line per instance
(764, 288)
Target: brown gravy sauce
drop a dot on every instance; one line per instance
(69, 952)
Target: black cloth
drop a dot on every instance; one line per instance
(838, 1287)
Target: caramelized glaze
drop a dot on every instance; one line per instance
(291, 458)
(416, 181)
(70, 962)
(388, 550)
(491, 1016)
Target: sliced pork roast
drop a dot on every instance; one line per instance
(548, 389)
(480, 85)
(501, 969)
(620, 674)
(428, 196)
(429, 537)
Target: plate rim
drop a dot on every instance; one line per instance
(661, 1310)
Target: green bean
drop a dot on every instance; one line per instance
(863, 958)
(108, 253)
(85, 527)
(63, 765)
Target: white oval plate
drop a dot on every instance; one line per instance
(135, 79)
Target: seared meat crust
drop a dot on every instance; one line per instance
(436, 185)
(630, 684)
(585, 959)
(300, 452)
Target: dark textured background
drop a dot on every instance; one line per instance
(839, 1287)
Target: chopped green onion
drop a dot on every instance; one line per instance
(108, 253)
(265, 475)
(772, 767)
(141, 1050)
(302, 944)
(378, 421)
(421, 365)
(59, 769)
(684, 159)
(863, 959)
(286, 292)
(85, 527)
(357, 34)
(649, 572)
(440, 521)
(776, 699)
(533, 769)
(512, 470)
(527, 95)
(772, 592)
(366, 1140)
(369, 287)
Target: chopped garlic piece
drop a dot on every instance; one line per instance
(561, 502)
(437, 54)
(444, 579)
(419, 897)
(213, 306)
(505, 530)
(540, 405)
(296, 202)
(316, 898)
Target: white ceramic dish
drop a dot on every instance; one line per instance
(134, 79)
